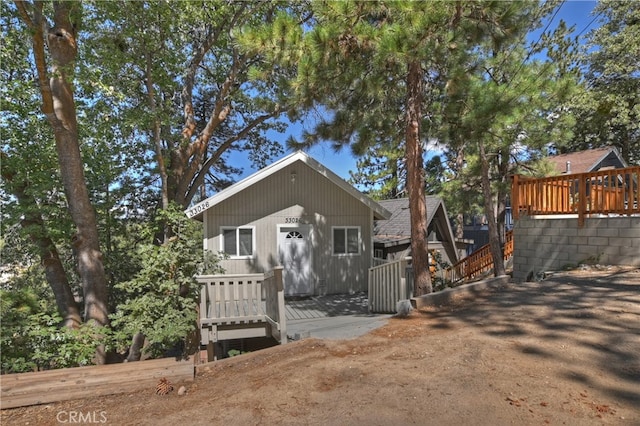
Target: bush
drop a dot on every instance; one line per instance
(161, 299)
(33, 340)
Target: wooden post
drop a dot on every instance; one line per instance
(515, 198)
(211, 352)
(277, 276)
(282, 312)
(582, 201)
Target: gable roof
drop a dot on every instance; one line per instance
(197, 210)
(397, 229)
(586, 161)
(399, 224)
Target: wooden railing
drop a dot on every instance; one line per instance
(478, 262)
(388, 285)
(273, 286)
(379, 261)
(613, 191)
(242, 306)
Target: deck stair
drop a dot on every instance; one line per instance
(479, 263)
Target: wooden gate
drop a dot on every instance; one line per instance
(388, 285)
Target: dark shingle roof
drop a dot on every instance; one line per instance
(397, 229)
(399, 224)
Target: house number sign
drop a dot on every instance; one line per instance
(199, 208)
(293, 220)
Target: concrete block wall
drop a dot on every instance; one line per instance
(553, 244)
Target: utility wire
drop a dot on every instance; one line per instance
(549, 63)
(531, 50)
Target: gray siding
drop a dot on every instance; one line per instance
(316, 201)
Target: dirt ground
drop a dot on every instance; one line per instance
(565, 350)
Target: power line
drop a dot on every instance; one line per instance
(531, 50)
(549, 63)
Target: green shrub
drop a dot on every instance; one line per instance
(32, 339)
(161, 299)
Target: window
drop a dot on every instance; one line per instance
(294, 235)
(346, 240)
(237, 242)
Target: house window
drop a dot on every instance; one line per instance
(346, 240)
(238, 242)
(294, 235)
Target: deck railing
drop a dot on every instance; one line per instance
(242, 306)
(273, 286)
(609, 192)
(478, 262)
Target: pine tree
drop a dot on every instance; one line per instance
(608, 104)
(379, 68)
(504, 109)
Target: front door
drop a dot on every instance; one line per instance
(294, 252)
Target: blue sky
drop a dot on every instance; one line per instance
(573, 12)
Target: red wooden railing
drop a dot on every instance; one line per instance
(613, 191)
(478, 262)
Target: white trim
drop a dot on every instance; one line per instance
(310, 241)
(279, 226)
(236, 228)
(309, 226)
(605, 155)
(196, 212)
(346, 242)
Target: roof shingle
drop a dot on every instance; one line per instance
(581, 161)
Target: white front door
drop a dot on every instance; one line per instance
(294, 253)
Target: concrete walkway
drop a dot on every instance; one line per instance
(341, 316)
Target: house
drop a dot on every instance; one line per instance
(591, 160)
(586, 161)
(298, 214)
(392, 238)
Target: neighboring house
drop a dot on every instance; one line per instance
(392, 238)
(298, 214)
(590, 160)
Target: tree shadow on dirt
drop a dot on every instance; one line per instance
(589, 326)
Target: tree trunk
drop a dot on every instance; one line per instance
(415, 181)
(135, 349)
(495, 246)
(459, 218)
(33, 224)
(58, 105)
(501, 198)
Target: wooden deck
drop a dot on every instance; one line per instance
(606, 192)
(326, 306)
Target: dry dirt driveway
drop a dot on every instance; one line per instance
(562, 351)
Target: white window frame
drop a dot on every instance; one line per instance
(346, 241)
(237, 231)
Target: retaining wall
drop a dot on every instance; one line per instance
(552, 243)
(42, 387)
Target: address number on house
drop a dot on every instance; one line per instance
(293, 220)
(197, 209)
